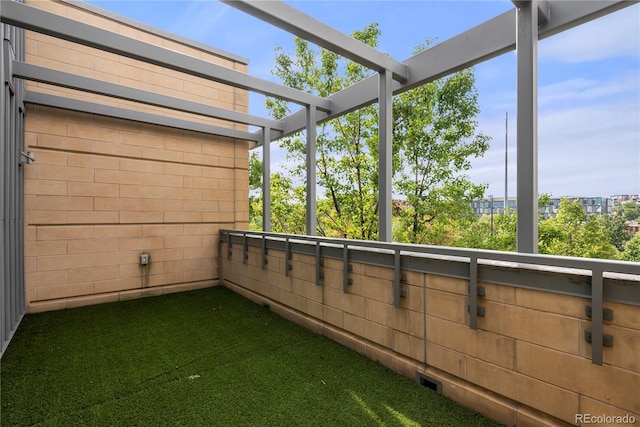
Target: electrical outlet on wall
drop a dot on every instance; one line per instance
(144, 259)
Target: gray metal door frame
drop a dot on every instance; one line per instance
(12, 290)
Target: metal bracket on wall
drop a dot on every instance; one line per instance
(607, 313)
(265, 251)
(397, 277)
(474, 310)
(481, 291)
(607, 340)
(480, 310)
(597, 314)
(346, 280)
(245, 248)
(287, 257)
(319, 264)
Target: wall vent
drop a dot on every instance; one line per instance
(429, 382)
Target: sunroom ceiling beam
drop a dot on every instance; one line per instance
(485, 41)
(71, 81)
(294, 21)
(31, 18)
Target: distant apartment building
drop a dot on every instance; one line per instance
(591, 206)
(485, 206)
(619, 199)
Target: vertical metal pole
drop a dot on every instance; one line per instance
(311, 170)
(318, 264)
(20, 54)
(287, 257)
(245, 248)
(527, 120)
(345, 268)
(263, 256)
(506, 162)
(597, 296)
(266, 179)
(385, 170)
(473, 293)
(4, 179)
(396, 278)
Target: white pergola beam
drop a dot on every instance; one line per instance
(290, 19)
(488, 40)
(34, 19)
(72, 81)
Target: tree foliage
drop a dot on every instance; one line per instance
(574, 233)
(434, 139)
(628, 211)
(346, 147)
(435, 132)
(287, 207)
(632, 249)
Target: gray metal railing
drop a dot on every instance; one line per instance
(598, 280)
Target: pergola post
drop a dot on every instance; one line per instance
(385, 167)
(266, 179)
(311, 170)
(527, 120)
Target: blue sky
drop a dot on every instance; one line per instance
(588, 84)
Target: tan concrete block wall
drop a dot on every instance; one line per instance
(526, 364)
(102, 190)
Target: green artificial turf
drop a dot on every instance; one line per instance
(201, 358)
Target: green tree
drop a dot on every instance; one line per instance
(255, 184)
(573, 233)
(287, 207)
(434, 137)
(435, 131)
(346, 147)
(632, 249)
(479, 235)
(628, 211)
(618, 230)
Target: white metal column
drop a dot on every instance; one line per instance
(266, 178)
(385, 153)
(311, 170)
(527, 119)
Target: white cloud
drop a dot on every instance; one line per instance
(199, 20)
(581, 90)
(588, 138)
(615, 35)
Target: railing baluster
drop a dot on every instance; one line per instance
(264, 251)
(345, 269)
(245, 248)
(596, 316)
(287, 256)
(396, 279)
(318, 264)
(473, 293)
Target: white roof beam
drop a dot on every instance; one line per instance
(34, 19)
(59, 78)
(485, 41)
(288, 18)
